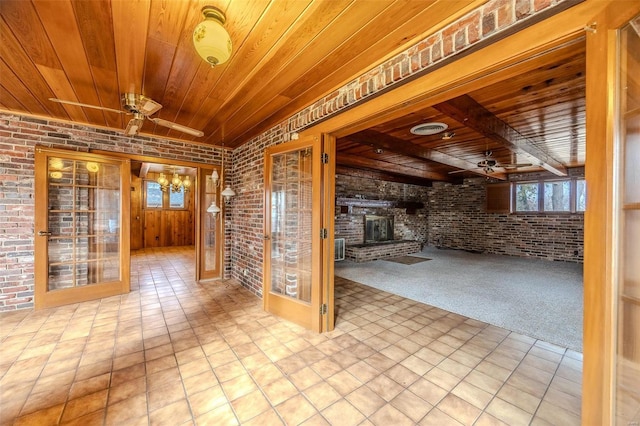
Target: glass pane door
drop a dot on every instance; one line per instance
(292, 251)
(291, 218)
(627, 406)
(79, 228)
(210, 228)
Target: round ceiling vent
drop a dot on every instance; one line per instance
(425, 129)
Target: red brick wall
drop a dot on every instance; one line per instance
(480, 25)
(457, 219)
(18, 137)
(243, 234)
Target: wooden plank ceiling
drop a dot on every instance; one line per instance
(286, 55)
(536, 118)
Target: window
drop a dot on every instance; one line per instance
(153, 195)
(176, 199)
(581, 195)
(526, 197)
(557, 196)
(567, 195)
(156, 198)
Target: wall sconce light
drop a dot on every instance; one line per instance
(213, 209)
(228, 193)
(215, 178)
(211, 40)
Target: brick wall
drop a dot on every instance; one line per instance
(381, 251)
(457, 219)
(18, 137)
(480, 25)
(243, 232)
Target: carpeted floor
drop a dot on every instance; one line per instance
(538, 298)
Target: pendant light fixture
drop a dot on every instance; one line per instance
(228, 192)
(211, 39)
(218, 180)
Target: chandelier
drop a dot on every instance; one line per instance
(176, 184)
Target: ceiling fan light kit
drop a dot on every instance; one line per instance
(211, 39)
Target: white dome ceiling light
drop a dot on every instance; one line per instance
(211, 39)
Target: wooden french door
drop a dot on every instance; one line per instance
(209, 236)
(293, 237)
(611, 370)
(81, 227)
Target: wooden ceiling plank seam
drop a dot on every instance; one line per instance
(7, 100)
(61, 87)
(319, 15)
(206, 79)
(302, 101)
(214, 103)
(94, 22)
(58, 20)
(184, 67)
(12, 84)
(162, 43)
(386, 142)
(17, 59)
(391, 23)
(325, 43)
(466, 110)
(130, 28)
(292, 18)
(26, 26)
(359, 162)
(182, 51)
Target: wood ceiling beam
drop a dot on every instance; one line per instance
(380, 175)
(470, 113)
(400, 146)
(360, 162)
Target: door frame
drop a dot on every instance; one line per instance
(198, 220)
(309, 316)
(497, 61)
(200, 188)
(600, 249)
(42, 298)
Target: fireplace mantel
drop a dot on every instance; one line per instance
(410, 206)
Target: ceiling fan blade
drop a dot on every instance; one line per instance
(134, 125)
(178, 127)
(61, 101)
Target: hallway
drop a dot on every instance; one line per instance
(177, 352)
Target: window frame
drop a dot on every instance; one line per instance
(166, 201)
(573, 194)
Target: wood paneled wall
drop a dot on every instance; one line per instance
(160, 227)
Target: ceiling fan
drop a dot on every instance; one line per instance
(489, 164)
(140, 107)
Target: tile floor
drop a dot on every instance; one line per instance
(176, 352)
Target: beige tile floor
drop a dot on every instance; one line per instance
(177, 352)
